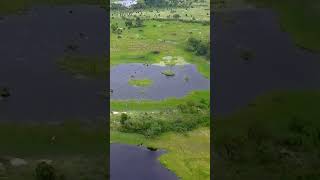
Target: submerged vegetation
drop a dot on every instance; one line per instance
(93, 67)
(140, 82)
(168, 72)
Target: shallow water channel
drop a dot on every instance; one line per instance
(185, 80)
(137, 163)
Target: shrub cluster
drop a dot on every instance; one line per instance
(198, 47)
(186, 117)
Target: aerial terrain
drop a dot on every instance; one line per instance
(52, 99)
(266, 84)
(160, 89)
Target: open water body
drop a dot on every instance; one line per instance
(185, 80)
(30, 45)
(278, 64)
(136, 163)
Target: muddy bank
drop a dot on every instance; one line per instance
(253, 56)
(30, 45)
(136, 163)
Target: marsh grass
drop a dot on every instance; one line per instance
(140, 82)
(149, 105)
(168, 72)
(92, 67)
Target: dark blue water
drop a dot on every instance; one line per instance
(30, 45)
(137, 163)
(278, 64)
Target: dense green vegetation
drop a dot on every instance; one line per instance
(275, 137)
(184, 118)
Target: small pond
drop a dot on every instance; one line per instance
(137, 163)
(185, 80)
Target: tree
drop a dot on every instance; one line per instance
(45, 171)
(139, 22)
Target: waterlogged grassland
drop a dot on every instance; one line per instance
(179, 126)
(92, 67)
(76, 150)
(156, 40)
(276, 137)
(188, 155)
(16, 6)
(140, 82)
(151, 105)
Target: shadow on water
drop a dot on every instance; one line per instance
(30, 45)
(136, 163)
(186, 79)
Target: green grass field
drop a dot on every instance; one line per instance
(157, 40)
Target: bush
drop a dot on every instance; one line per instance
(198, 47)
(45, 171)
(124, 117)
(186, 117)
(139, 22)
(176, 16)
